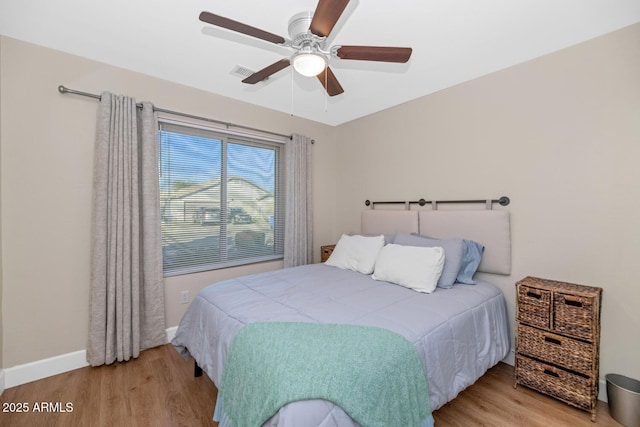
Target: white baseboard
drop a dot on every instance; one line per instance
(171, 332)
(510, 359)
(22, 374)
(602, 391)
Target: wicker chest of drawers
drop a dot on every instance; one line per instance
(558, 340)
(325, 252)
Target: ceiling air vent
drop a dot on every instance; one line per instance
(241, 71)
(244, 72)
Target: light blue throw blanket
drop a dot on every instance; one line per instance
(373, 374)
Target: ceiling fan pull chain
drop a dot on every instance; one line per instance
(326, 93)
(292, 86)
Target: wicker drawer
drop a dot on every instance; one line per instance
(566, 386)
(534, 306)
(556, 349)
(325, 252)
(574, 315)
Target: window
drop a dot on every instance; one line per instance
(220, 198)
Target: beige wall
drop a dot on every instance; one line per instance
(559, 135)
(2, 382)
(46, 188)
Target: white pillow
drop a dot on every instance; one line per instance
(418, 268)
(357, 253)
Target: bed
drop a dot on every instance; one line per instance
(457, 331)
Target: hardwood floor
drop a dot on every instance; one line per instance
(493, 401)
(158, 389)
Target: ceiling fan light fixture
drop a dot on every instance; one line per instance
(309, 63)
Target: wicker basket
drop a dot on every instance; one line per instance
(325, 252)
(564, 385)
(534, 306)
(574, 315)
(553, 348)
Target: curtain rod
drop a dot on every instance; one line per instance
(62, 89)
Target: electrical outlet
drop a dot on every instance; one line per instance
(184, 297)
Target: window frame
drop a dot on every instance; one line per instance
(228, 136)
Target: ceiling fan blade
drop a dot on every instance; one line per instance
(330, 82)
(266, 72)
(375, 53)
(326, 15)
(230, 24)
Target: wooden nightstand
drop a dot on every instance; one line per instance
(558, 340)
(325, 252)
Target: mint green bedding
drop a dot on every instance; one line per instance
(373, 374)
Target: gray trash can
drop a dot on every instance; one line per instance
(623, 394)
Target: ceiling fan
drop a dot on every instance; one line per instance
(309, 32)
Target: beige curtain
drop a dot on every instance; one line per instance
(298, 229)
(127, 291)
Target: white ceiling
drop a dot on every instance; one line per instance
(453, 41)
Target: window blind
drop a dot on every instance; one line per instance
(220, 198)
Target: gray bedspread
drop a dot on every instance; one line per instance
(459, 333)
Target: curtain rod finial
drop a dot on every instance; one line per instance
(62, 89)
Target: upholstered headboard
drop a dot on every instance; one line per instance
(491, 228)
(389, 222)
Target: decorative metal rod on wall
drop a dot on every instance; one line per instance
(503, 201)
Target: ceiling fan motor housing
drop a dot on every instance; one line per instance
(300, 34)
(299, 24)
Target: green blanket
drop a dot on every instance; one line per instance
(373, 374)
